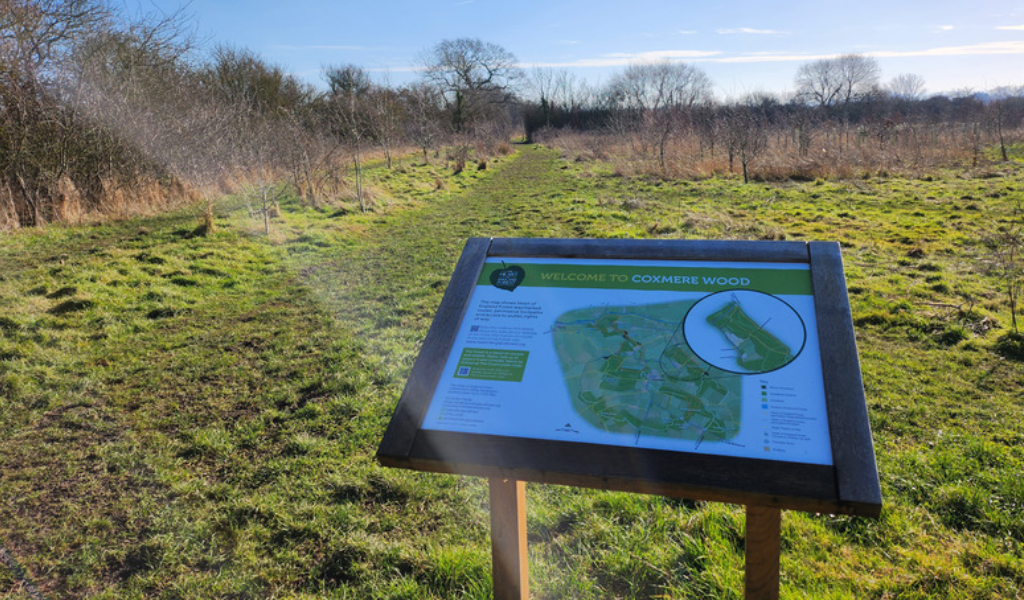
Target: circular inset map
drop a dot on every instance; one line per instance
(743, 331)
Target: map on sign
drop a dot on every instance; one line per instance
(761, 332)
(629, 370)
(756, 350)
(717, 358)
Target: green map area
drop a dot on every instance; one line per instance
(629, 370)
(756, 350)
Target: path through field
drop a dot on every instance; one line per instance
(402, 264)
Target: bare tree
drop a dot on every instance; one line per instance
(571, 92)
(36, 34)
(385, 118)
(1005, 113)
(473, 76)
(558, 93)
(424, 116)
(707, 126)
(139, 86)
(658, 95)
(837, 81)
(746, 130)
(37, 130)
(245, 80)
(907, 86)
(308, 152)
(350, 86)
(1005, 258)
(542, 86)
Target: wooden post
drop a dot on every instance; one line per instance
(762, 556)
(508, 539)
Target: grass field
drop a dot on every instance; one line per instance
(187, 416)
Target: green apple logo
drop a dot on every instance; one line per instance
(507, 277)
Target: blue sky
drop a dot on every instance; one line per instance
(744, 45)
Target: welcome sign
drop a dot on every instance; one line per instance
(710, 370)
(711, 358)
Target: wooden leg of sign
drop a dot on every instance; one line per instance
(762, 570)
(508, 539)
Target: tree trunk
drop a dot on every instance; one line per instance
(1002, 140)
(33, 203)
(357, 159)
(1013, 305)
(208, 226)
(661, 152)
(266, 212)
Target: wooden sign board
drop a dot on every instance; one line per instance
(722, 371)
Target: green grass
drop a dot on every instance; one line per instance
(196, 417)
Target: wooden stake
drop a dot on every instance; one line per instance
(508, 539)
(762, 556)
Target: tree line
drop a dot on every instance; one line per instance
(103, 113)
(841, 120)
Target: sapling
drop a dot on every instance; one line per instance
(1005, 258)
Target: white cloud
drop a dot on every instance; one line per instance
(687, 32)
(989, 48)
(942, 28)
(1011, 27)
(619, 59)
(749, 30)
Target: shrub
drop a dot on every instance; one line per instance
(1011, 346)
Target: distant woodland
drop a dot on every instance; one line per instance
(103, 115)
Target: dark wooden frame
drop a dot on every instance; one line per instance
(849, 486)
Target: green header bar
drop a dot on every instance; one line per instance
(627, 277)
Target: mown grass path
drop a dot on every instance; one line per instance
(388, 284)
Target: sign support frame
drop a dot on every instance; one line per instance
(509, 563)
(848, 486)
(761, 556)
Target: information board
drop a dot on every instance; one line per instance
(715, 358)
(576, 362)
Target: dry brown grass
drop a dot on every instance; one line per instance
(832, 152)
(8, 212)
(116, 200)
(144, 198)
(503, 149)
(65, 203)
